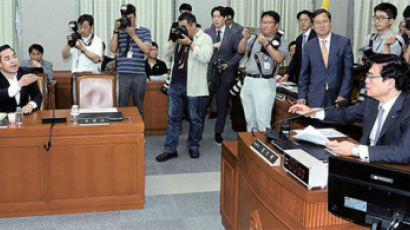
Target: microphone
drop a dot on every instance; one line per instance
(285, 128)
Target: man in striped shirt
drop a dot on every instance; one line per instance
(132, 42)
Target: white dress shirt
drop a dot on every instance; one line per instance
(80, 62)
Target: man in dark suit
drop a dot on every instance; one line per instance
(305, 24)
(15, 86)
(385, 114)
(229, 20)
(326, 75)
(226, 41)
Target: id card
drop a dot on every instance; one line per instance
(266, 65)
(129, 54)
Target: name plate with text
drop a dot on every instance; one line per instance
(267, 154)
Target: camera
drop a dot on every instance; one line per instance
(366, 53)
(237, 86)
(408, 24)
(164, 88)
(74, 33)
(177, 33)
(124, 21)
(218, 65)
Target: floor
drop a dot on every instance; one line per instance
(182, 193)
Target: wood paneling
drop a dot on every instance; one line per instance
(155, 109)
(87, 168)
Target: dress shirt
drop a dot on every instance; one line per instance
(222, 29)
(80, 62)
(14, 90)
(327, 42)
(306, 35)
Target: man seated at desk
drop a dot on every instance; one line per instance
(15, 86)
(385, 114)
(36, 52)
(154, 66)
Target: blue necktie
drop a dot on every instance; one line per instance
(218, 37)
(304, 40)
(379, 124)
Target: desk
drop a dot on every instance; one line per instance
(253, 191)
(87, 169)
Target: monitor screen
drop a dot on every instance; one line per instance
(369, 194)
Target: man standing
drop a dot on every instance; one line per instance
(229, 20)
(305, 24)
(36, 52)
(192, 54)
(133, 42)
(87, 52)
(384, 40)
(223, 65)
(385, 114)
(16, 87)
(326, 75)
(259, 89)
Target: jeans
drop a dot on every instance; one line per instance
(135, 83)
(177, 100)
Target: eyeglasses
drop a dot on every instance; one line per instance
(370, 77)
(380, 18)
(323, 22)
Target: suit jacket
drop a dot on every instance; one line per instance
(314, 75)
(393, 145)
(8, 104)
(237, 27)
(228, 52)
(293, 69)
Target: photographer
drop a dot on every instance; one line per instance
(86, 48)
(384, 40)
(223, 65)
(132, 42)
(406, 35)
(191, 55)
(259, 87)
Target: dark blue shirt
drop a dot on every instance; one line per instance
(180, 68)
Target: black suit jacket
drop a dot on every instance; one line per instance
(293, 69)
(8, 104)
(393, 145)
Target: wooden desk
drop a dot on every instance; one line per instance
(87, 169)
(271, 198)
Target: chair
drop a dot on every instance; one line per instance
(42, 85)
(95, 90)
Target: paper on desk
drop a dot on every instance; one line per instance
(331, 133)
(99, 110)
(311, 134)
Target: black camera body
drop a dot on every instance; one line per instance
(408, 24)
(74, 34)
(218, 66)
(237, 86)
(177, 33)
(366, 53)
(164, 88)
(124, 21)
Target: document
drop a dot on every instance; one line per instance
(99, 110)
(310, 134)
(331, 133)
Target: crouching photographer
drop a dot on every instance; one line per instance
(84, 48)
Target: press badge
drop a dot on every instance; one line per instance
(266, 65)
(129, 54)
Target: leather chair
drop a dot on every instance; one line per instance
(95, 90)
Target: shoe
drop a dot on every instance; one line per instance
(218, 138)
(213, 115)
(194, 153)
(166, 156)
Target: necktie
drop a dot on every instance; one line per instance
(325, 54)
(379, 124)
(304, 40)
(218, 36)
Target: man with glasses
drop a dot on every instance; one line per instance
(385, 114)
(384, 40)
(305, 24)
(229, 22)
(259, 89)
(325, 75)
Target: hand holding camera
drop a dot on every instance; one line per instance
(177, 33)
(245, 33)
(75, 35)
(185, 40)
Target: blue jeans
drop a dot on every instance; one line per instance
(177, 99)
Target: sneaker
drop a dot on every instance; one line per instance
(218, 138)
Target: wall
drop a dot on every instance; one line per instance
(340, 15)
(46, 22)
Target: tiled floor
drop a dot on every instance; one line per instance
(182, 193)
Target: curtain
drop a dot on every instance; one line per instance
(248, 12)
(363, 21)
(156, 15)
(7, 25)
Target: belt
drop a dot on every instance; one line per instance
(258, 76)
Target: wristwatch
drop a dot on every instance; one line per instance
(266, 46)
(355, 151)
(115, 32)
